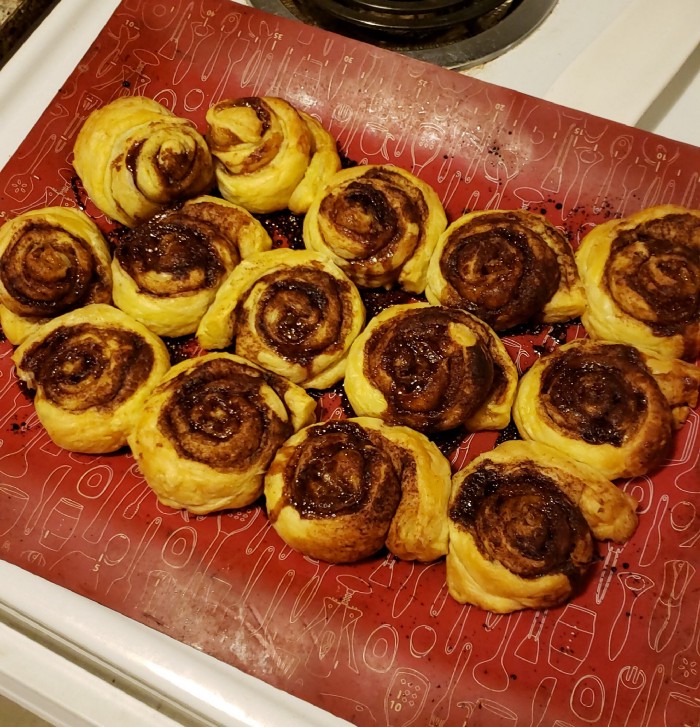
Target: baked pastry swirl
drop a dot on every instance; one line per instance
(290, 311)
(379, 223)
(642, 280)
(135, 157)
(210, 429)
(269, 155)
(507, 268)
(342, 490)
(431, 368)
(92, 369)
(52, 260)
(167, 270)
(522, 524)
(601, 403)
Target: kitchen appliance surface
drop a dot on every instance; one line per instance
(180, 603)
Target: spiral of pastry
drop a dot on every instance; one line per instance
(52, 260)
(600, 403)
(92, 369)
(210, 429)
(168, 269)
(522, 523)
(431, 368)
(379, 223)
(642, 280)
(292, 312)
(269, 155)
(135, 157)
(507, 268)
(340, 491)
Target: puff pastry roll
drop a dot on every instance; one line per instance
(92, 369)
(431, 368)
(292, 312)
(269, 155)
(167, 270)
(342, 490)
(642, 281)
(209, 431)
(507, 268)
(52, 260)
(379, 223)
(522, 524)
(135, 157)
(600, 403)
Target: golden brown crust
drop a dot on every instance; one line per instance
(52, 260)
(507, 268)
(292, 312)
(92, 369)
(599, 403)
(431, 368)
(209, 431)
(642, 281)
(522, 521)
(269, 155)
(168, 269)
(339, 491)
(380, 225)
(135, 157)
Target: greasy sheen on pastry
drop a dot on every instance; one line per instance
(52, 260)
(210, 429)
(431, 368)
(523, 521)
(642, 280)
(167, 270)
(293, 312)
(342, 490)
(92, 369)
(379, 223)
(269, 155)
(606, 404)
(507, 268)
(135, 157)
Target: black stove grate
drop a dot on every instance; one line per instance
(451, 33)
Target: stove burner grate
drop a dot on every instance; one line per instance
(450, 33)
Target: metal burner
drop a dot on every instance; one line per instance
(451, 33)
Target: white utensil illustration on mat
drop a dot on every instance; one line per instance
(491, 673)
(441, 711)
(529, 648)
(587, 699)
(633, 585)
(405, 697)
(630, 682)
(686, 662)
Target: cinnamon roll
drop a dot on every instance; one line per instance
(601, 403)
(292, 312)
(642, 281)
(431, 368)
(523, 520)
(379, 223)
(342, 490)
(52, 260)
(269, 155)
(507, 268)
(209, 431)
(167, 270)
(92, 369)
(135, 157)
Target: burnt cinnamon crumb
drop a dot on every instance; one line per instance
(378, 300)
(449, 440)
(284, 228)
(181, 349)
(79, 193)
(508, 434)
(345, 161)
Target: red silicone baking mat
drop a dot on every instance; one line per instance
(381, 642)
